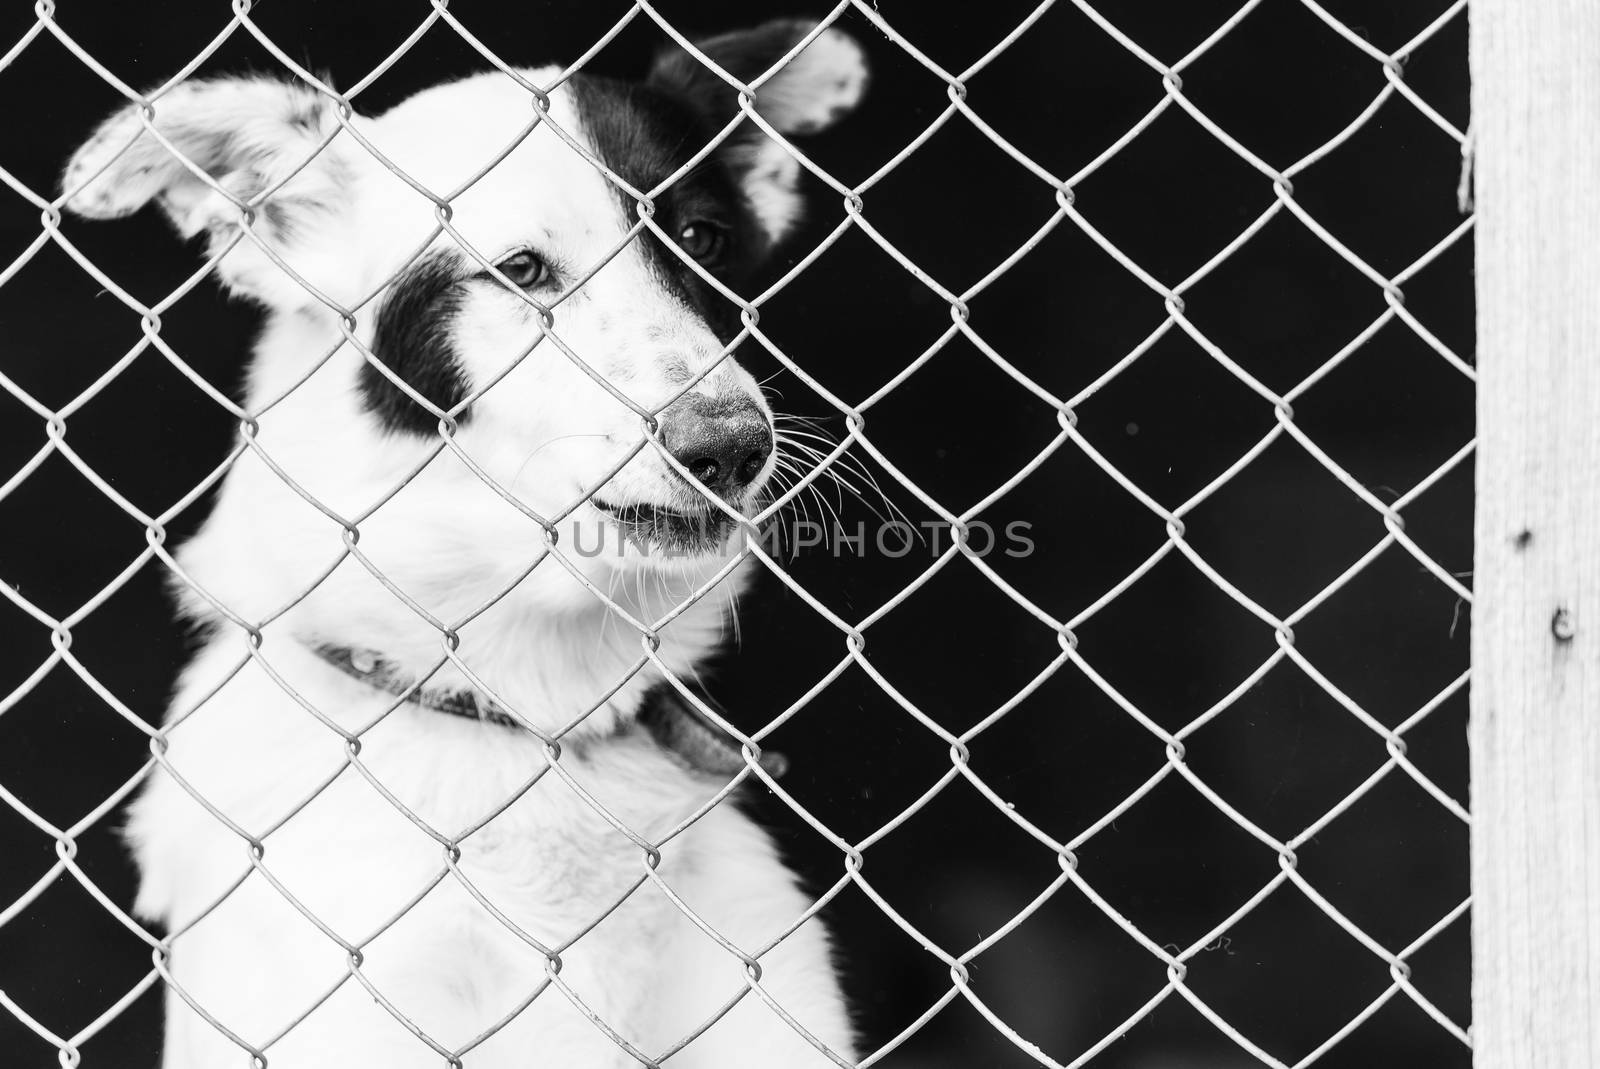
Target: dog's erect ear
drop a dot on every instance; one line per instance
(814, 90)
(248, 134)
(810, 93)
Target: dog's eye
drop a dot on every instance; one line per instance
(525, 269)
(702, 240)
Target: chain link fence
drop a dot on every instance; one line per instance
(1185, 295)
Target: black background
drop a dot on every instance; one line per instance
(1282, 83)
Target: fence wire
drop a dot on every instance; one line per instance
(858, 211)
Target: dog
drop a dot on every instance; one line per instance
(432, 790)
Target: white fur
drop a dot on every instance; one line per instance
(349, 856)
(826, 80)
(807, 95)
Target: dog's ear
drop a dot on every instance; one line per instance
(810, 93)
(248, 135)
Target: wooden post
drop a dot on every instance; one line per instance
(1535, 731)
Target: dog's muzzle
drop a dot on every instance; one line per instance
(723, 442)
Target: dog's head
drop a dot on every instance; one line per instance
(505, 290)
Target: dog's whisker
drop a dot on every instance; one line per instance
(786, 473)
(796, 503)
(824, 505)
(610, 612)
(541, 447)
(733, 614)
(663, 587)
(828, 464)
(793, 443)
(798, 420)
(858, 468)
(820, 460)
(765, 499)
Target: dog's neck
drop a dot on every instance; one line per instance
(682, 722)
(574, 671)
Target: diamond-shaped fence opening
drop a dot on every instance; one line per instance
(1108, 601)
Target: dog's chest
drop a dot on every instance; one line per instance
(425, 798)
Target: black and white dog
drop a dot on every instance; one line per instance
(354, 876)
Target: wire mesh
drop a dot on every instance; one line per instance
(860, 211)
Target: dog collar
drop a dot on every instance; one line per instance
(674, 723)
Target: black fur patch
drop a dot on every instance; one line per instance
(742, 53)
(645, 134)
(413, 339)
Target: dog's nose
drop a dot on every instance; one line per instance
(724, 442)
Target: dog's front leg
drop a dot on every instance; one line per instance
(738, 885)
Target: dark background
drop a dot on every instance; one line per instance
(1285, 975)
